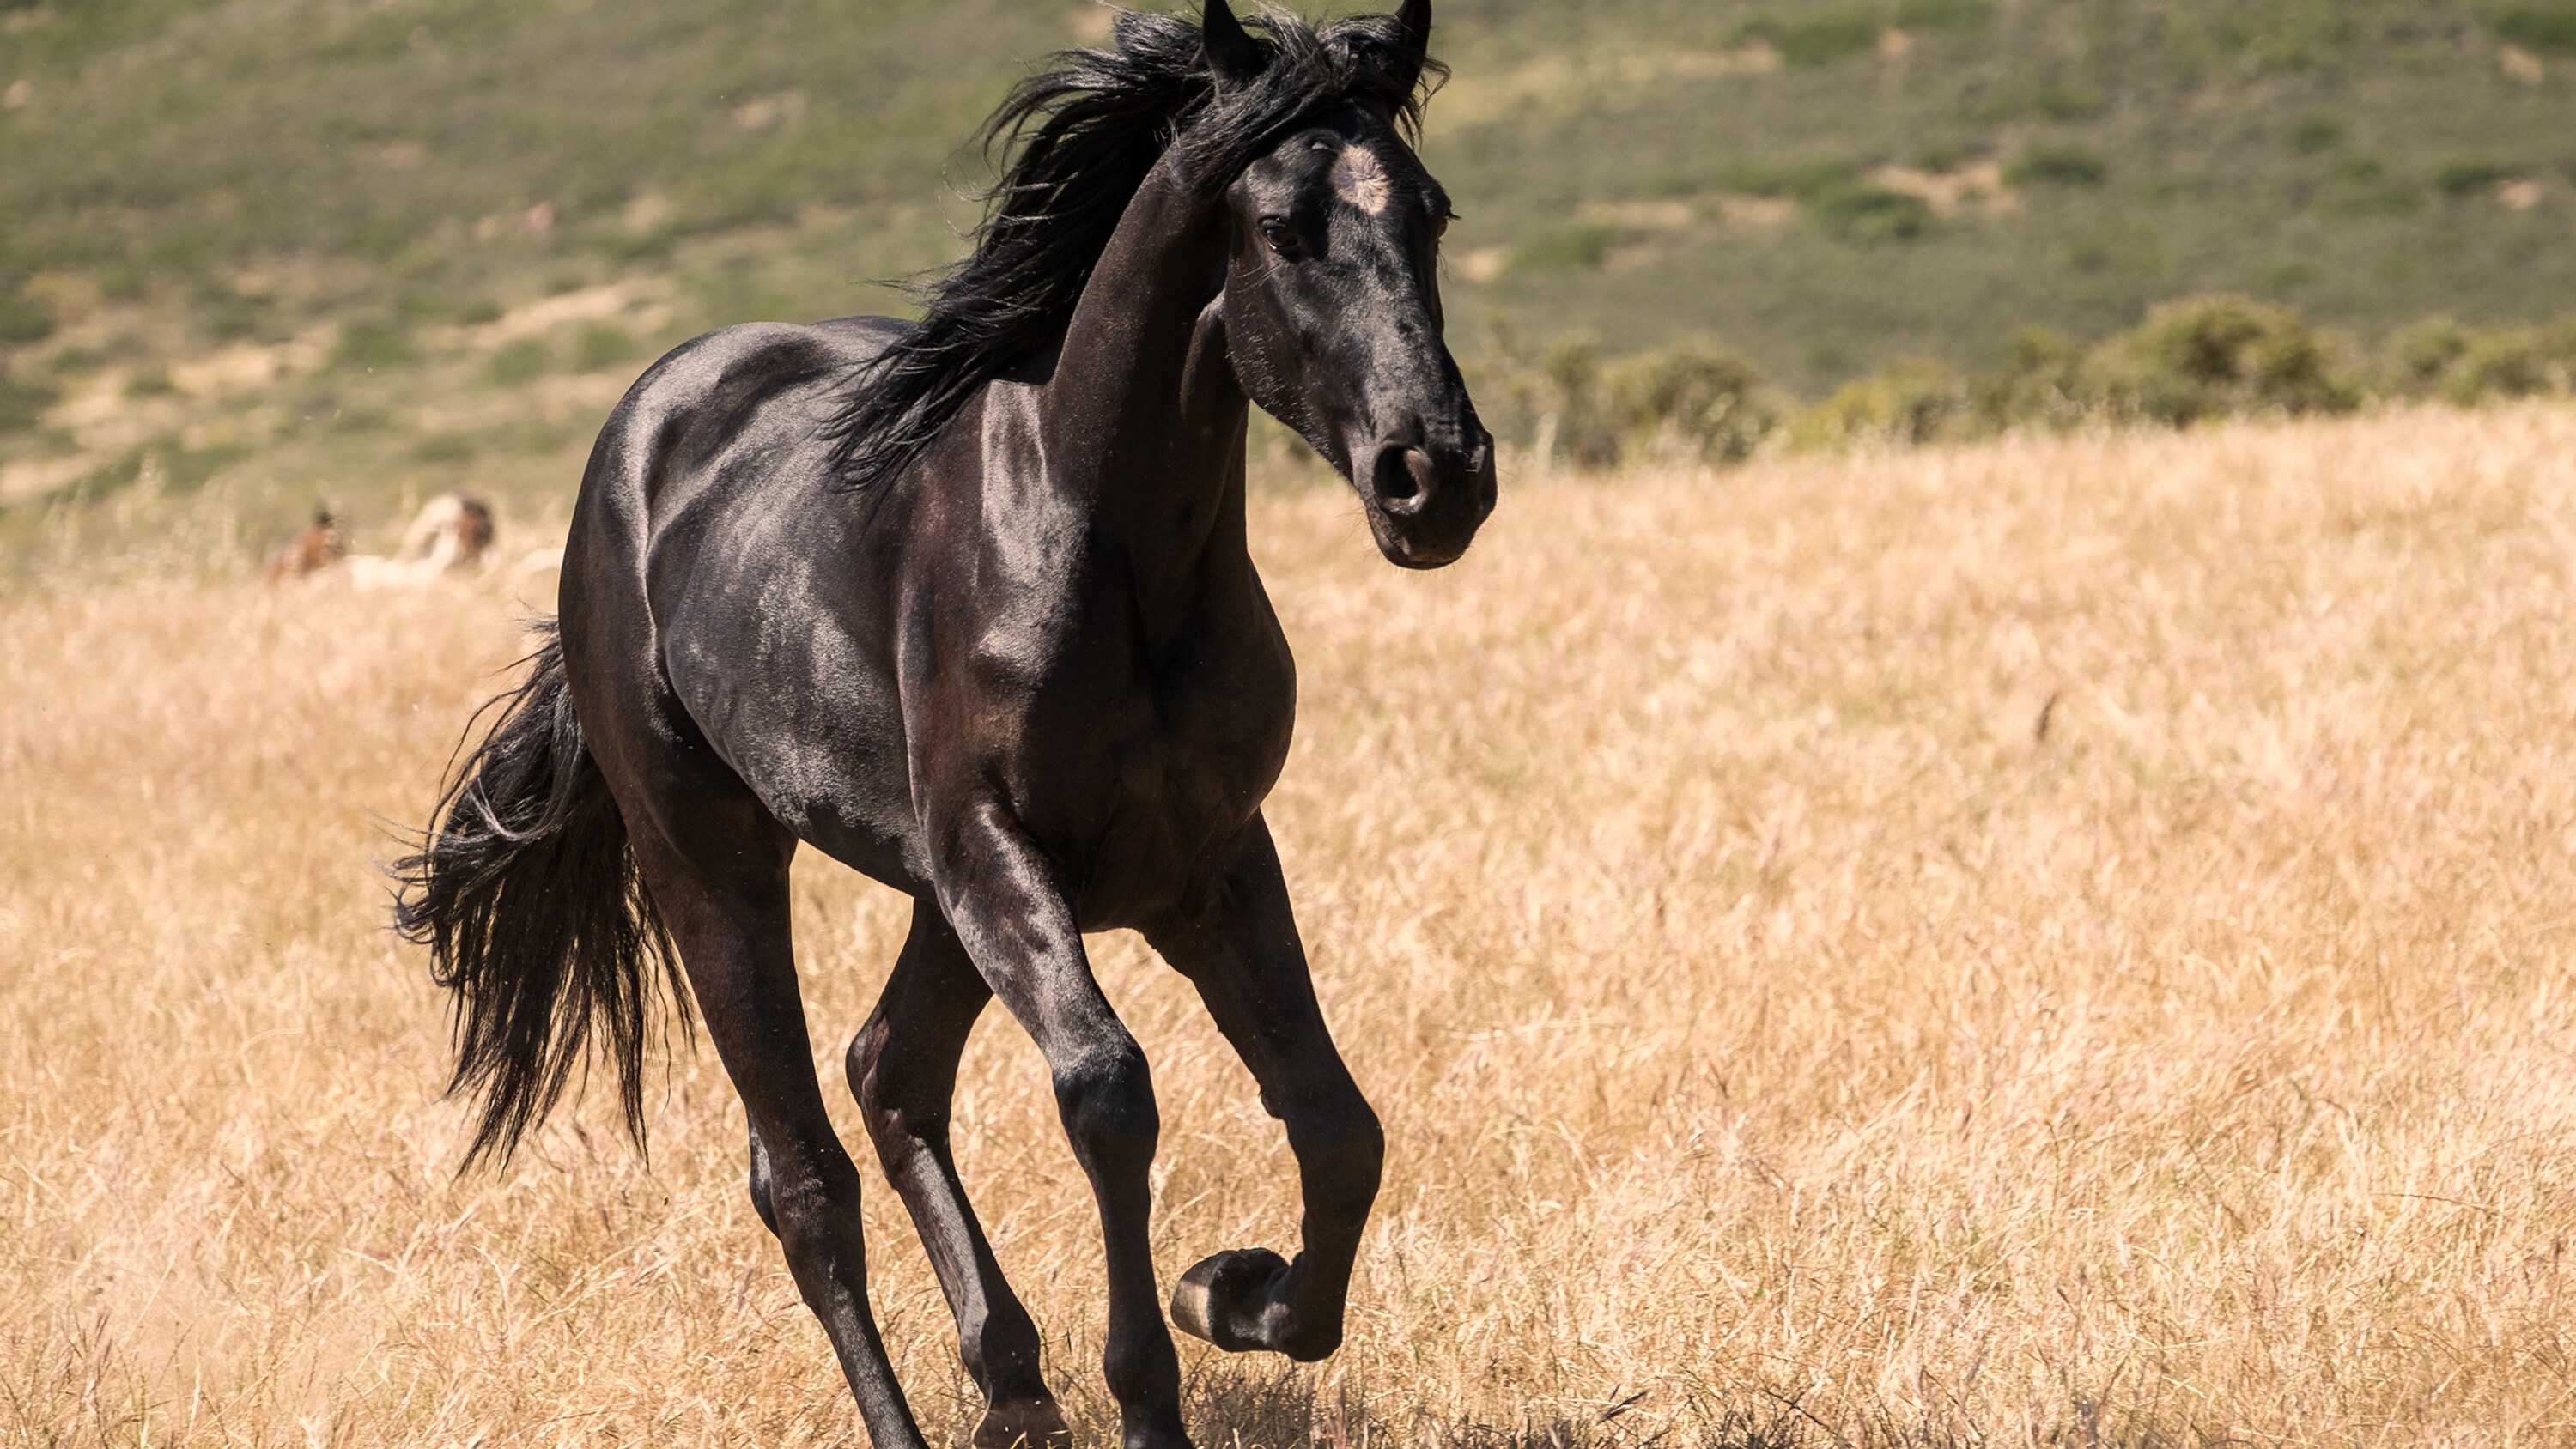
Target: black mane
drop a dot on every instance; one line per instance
(1082, 136)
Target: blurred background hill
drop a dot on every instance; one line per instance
(261, 254)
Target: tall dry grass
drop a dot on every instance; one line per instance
(2059, 942)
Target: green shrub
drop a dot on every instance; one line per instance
(2462, 178)
(2211, 357)
(2315, 134)
(23, 319)
(2539, 27)
(1692, 400)
(2507, 364)
(373, 342)
(2068, 102)
(517, 362)
(2558, 340)
(2057, 166)
(1580, 247)
(602, 345)
(1567, 397)
(1945, 17)
(22, 402)
(2418, 357)
(2040, 384)
(2363, 187)
(1906, 403)
(152, 381)
(444, 448)
(184, 469)
(1864, 212)
(1816, 39)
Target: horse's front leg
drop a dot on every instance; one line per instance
(1243, 954)
(1002, 899)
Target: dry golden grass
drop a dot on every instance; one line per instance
(1769, 1017)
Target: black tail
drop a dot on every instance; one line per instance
(527, 895)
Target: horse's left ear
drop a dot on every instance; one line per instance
(1413, 22)
(1229, 48)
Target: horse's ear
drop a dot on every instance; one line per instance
(1229, 47)
(1413, 22)
(1414, 19)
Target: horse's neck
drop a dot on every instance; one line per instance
(1143, 415)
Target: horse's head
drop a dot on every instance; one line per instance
(1332, 305)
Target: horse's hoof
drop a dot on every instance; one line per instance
(1035, 1424)
(1231, 1300)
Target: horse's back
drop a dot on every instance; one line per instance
(714, 585)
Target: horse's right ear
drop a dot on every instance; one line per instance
(1229, 48)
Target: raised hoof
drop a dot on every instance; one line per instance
(1034, 1425)
(1232, 1301)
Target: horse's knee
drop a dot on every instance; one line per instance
(1107, 1100)
(1341, 1154)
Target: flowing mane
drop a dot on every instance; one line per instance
(1082, 135)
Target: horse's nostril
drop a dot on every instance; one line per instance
(1403, 480)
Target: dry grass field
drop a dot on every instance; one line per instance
(2061, 942)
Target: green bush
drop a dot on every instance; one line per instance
(2068, 102)
(2464, 178)
(1863, 212)
(1690, 401)
(2417, 358)
(2558, 340)
(1946, 17)
(22, 402)
(1906, 403)
(1816, 39)
(1580, 247)
(2539, 27)
(2211, 357)
(1797, 181)
(23, 319)
(2057, 166)
(517, 362)
(2508, 364)
(2315, 134)
(602, 345)
(373, 342)
(1567, 397)
(2040, 384)
(444, 448)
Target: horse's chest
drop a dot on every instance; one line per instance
(1179, 769)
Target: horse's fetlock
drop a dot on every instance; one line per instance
(1343, 1156)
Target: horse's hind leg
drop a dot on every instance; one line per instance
(1244, 957)
(903, 1069)
(725, 900)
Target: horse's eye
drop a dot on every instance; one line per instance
(1440, 228)
(1274, 230)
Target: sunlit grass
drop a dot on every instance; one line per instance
(2058, 941)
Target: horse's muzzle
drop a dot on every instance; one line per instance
(1426, 503)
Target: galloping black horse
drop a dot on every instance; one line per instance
(966, 604)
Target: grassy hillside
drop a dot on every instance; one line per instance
(299, 249)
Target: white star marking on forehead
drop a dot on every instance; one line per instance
(1360, 178)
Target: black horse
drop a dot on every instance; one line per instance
(966, 604)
